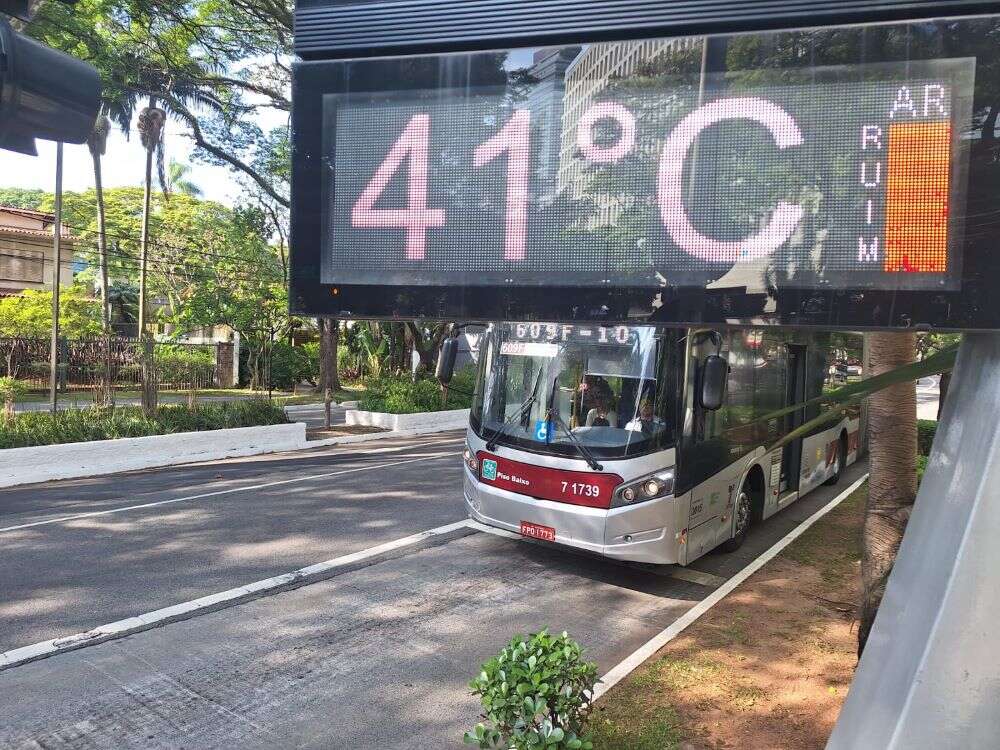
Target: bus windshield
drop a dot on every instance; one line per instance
(605, 385)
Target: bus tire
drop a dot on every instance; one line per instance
(841, 460)
(742, 518)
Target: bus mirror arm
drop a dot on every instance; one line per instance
(714, 375)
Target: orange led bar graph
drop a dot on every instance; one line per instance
(917, 192)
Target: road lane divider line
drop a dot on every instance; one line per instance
(661, 639)
(232, 597)
(228, 491)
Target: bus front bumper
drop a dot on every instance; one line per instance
(640, 533)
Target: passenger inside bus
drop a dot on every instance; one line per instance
(645, 420)
(597, 401)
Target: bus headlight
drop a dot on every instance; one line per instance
(471, 461)
(647, 488)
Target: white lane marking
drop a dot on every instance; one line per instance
(320, 449)
(229, 491)
(185, 610)
(626, 666)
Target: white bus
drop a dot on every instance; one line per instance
(646, 443)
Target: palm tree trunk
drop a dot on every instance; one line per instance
(892, 484)
(144, 243)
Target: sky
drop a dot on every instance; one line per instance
(123, 163)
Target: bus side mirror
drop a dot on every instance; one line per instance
(446, 360)
(714, 375)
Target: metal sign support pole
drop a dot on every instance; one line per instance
(930, 674)
(56, 279)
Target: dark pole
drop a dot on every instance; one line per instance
(56, 266)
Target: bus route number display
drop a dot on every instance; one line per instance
(854, 180)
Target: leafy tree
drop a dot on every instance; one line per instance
(29, 314)
(27, 199)
(178, 180)
(192, 58)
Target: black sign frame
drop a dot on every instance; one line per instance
(973, 307)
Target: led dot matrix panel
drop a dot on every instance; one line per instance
(834, 176)
(847, 181)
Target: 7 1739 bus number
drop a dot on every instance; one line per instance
(581, 489)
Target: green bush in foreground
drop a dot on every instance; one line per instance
(536, 694)
(82, 425)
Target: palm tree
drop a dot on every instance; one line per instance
(892, 484)
(97, 142)
(177, 179)
(150, 127)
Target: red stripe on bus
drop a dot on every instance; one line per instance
(589, 489)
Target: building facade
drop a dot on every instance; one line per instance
(26, 252)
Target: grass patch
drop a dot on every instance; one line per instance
(660, 731)
(83, 425)
(345, 393)
(641, 716)
(833, 548)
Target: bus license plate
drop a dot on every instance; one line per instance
(535, 531)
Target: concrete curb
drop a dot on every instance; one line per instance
(443, 420)
(369, 437)
(232, 597)
(98, 457)
(46, 463)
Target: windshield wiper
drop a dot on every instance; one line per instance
(553, 416)
(491, 443)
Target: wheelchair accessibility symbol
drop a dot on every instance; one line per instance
(543, 430)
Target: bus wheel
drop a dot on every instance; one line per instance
(741, 522)
(841, 461)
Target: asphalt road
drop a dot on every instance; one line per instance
(377, 656)
(928, 394)
(63, 577)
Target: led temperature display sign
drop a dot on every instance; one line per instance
(853, 179)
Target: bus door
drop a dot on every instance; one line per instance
(795, 393)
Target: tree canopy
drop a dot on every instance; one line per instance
(29, 315)
(212, 64)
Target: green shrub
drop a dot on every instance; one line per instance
(10, 390)
(82, 425)
(921, 468)
(460, 389)
(404, 396)
(291, 365)
(401, 396)
(925, 435)
(184, 366)
(536, 694)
